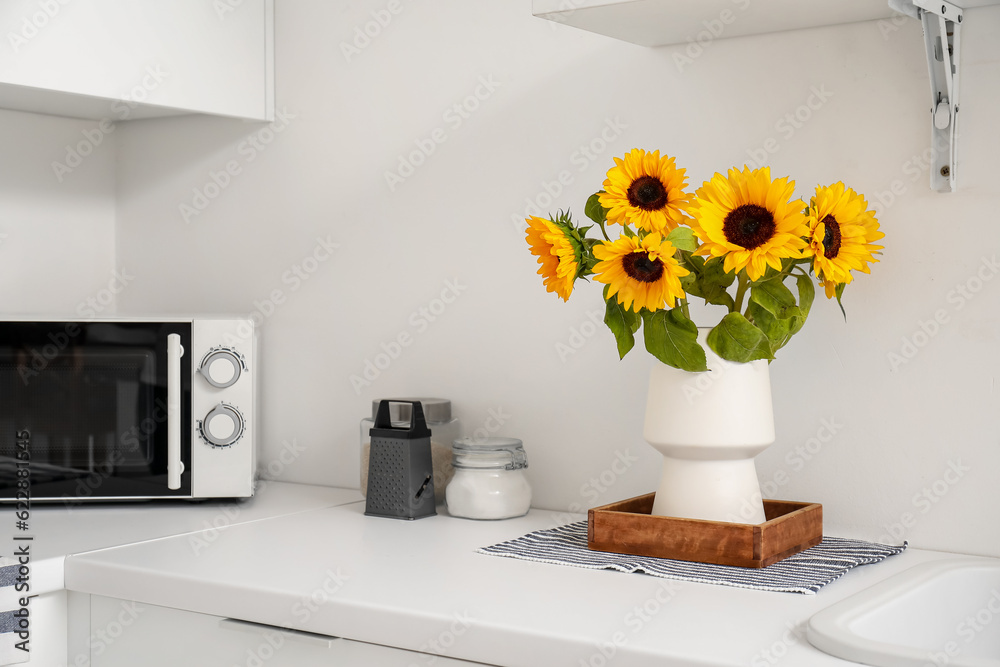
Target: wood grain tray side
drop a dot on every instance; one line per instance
(627, 527)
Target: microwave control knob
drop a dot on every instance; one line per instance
(222, 367)
(223, 426)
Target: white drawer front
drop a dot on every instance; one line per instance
(127, 634)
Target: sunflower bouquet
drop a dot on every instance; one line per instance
(739, 242)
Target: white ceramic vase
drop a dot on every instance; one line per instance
(709, 426)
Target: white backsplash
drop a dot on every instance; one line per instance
(374, 230)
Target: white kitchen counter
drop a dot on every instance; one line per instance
(419, 585)
(60, 529)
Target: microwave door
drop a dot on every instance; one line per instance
(104, 403)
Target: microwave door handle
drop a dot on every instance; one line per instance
(174, 464)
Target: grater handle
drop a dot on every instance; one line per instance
(418, 425)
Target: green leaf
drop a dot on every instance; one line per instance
(708, 280)
(623, 323)
(673, 339)
(807, 292)
(594, 210)
(736, 339)
(775, 298)
(840, 293)
(778, 332)
(683, 238)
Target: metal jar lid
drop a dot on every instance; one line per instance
(488, 454)
(436, 410)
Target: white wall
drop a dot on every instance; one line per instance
(57, 224)
(320, 174)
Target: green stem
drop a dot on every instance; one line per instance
(604, 231)
(741, 290)
(685, 309)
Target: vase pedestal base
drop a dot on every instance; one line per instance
(627, 527)
(712, 490)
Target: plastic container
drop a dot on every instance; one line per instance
(490, 480)
(445, 428)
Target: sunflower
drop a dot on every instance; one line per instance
(842, 231)
(643, 273)
(558, 255)
(748, 219)
(647, 191)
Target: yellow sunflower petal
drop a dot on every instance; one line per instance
(841, 233)
(556, 255)
(748, 218)
(646, 191)
(640, 273)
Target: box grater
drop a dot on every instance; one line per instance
(400, 470)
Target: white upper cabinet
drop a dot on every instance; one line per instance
(127, 59)
(663, 22)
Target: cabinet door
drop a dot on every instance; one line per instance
(126, 634)
(121, 60)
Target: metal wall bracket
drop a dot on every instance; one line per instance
(942, 23)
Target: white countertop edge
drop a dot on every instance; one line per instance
(496, 631)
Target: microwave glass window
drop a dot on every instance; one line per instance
(87, 412)
(94, 404)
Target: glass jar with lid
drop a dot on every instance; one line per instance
(490, 480)
(445, 428)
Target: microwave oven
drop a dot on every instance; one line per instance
(127, 409)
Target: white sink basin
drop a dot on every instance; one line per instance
(935, 614)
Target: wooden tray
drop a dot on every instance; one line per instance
(626, 527)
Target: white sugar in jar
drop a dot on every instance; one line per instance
(490, 480)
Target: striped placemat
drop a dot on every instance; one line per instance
(805, 572)
(10, 625)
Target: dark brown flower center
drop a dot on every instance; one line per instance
(831, 237)
(638, 266)
(749, 226)
(647, 193)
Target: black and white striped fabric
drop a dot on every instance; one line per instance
(9, 625)
(805, 572)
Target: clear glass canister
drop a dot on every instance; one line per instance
(490, 480)
(444, 427)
